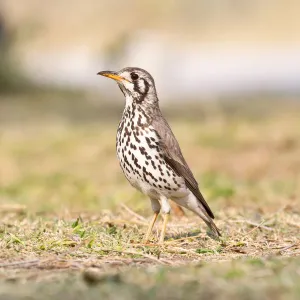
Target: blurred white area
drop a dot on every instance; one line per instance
(185, 70)
(193, 48)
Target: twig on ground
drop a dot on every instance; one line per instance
(133, 213)
(19, 263)
(258, 225)
(161, 261)
(293, 224)
(288, 247)
(268, 220)
(121, 221)
(264, 221)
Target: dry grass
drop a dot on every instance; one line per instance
(66, 207)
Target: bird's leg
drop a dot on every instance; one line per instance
(156, 209)
(163, 229)
(166, 208)
(150, 227)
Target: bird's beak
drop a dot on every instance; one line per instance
(112, 75)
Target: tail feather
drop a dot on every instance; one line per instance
(201, 211)
(192, 203)
(212, 226)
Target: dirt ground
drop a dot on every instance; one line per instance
(72, 227)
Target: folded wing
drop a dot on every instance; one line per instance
(174, 158)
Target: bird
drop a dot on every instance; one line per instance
(149, 154)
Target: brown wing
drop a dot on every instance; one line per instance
(175, 159)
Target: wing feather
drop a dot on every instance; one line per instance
(173, 156)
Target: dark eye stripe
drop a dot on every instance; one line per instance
(144, 94)
(146, 86)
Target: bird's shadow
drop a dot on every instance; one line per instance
(197, 233)
(183, 235)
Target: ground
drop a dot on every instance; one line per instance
(72, 227)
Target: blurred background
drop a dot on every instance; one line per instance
(227, 72)
(192, 48)
(228, 79)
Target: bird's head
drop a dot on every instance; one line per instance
(136, 84)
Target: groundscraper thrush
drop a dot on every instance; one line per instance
(149, 153)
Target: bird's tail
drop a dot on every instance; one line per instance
(212, 226)
(201, 211)
(192, 203)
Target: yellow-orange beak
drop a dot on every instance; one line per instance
(112, 75)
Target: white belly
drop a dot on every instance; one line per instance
(144, 166)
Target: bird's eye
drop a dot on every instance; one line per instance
(134, 76)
